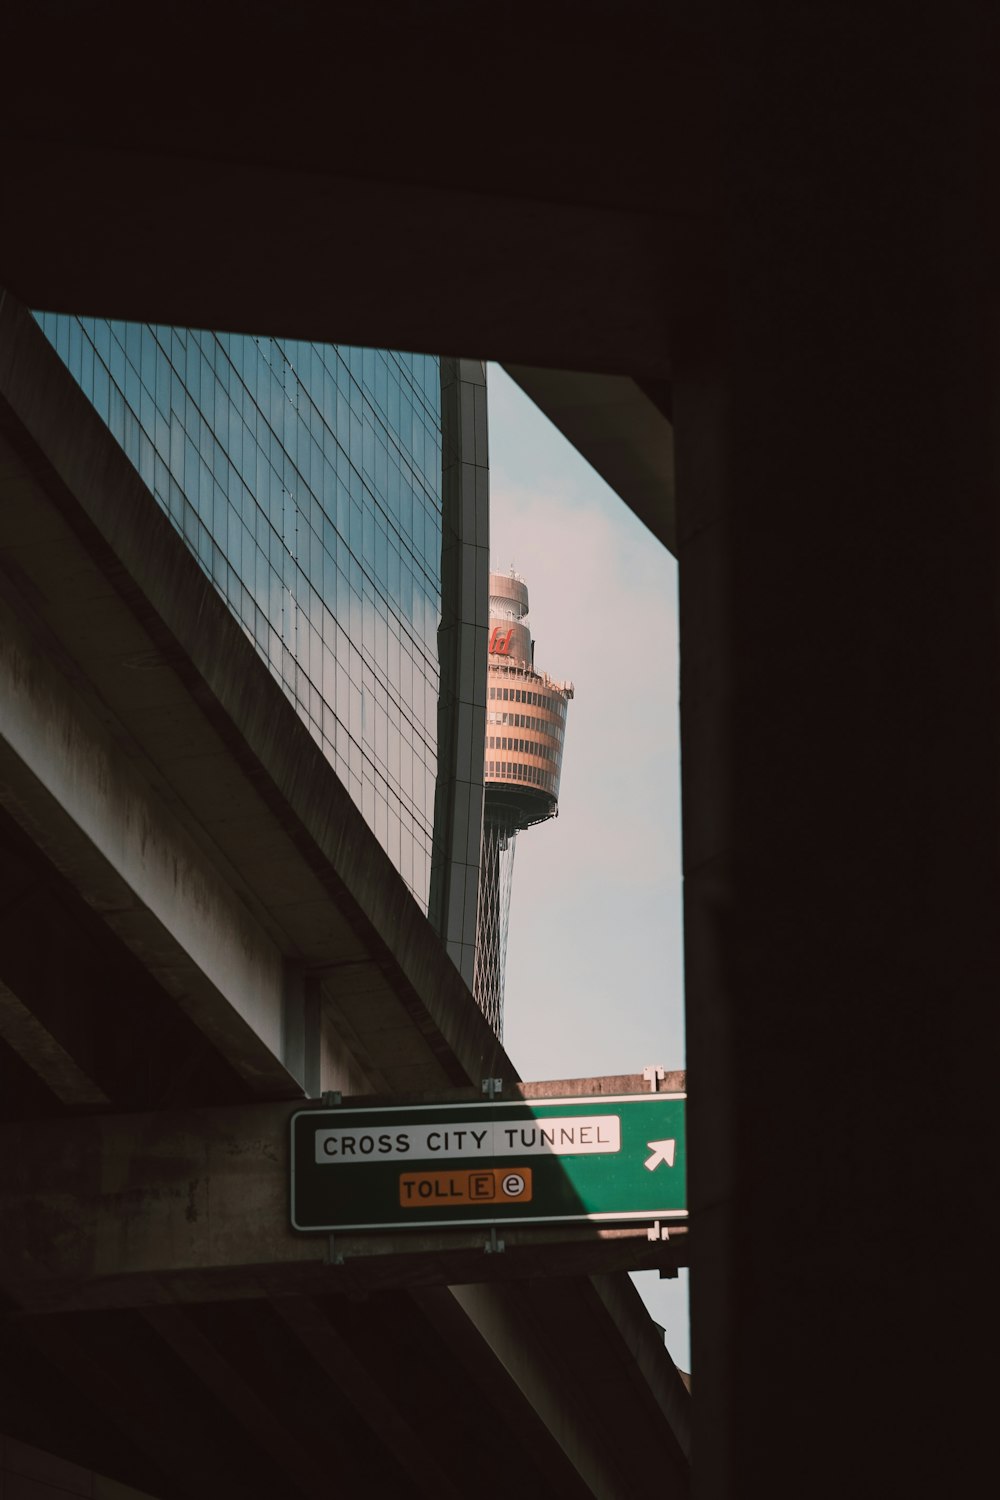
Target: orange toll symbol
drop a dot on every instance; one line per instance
(465, 1185)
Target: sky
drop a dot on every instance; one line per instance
(594, 959)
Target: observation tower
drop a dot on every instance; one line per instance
(525, 733)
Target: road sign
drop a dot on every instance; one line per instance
(540, 1161)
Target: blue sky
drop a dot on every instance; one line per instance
(594, 962)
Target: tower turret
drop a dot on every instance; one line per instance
(525, 734)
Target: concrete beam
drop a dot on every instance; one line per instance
(44, 1053)
(138, 1210)
(541, 1348)
(130, 1401)
(236, 1394)
(222, 286)
(68, 780)
(615, 423)
(566, 251)
(326, 1346)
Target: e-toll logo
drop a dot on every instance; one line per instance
(606, 1157)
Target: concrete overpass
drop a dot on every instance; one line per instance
(778, 226)
(196, 919)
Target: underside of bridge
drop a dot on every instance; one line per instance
(754, 248)
(196, 919)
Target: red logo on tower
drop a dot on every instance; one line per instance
(500, 644)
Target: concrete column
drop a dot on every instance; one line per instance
(837, 433)
(301, 1028)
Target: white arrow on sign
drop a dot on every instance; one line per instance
(662, 1151)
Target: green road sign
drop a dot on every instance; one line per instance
(541, 1161)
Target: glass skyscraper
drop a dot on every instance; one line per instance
(308, 479)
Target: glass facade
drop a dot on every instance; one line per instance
(306, 479)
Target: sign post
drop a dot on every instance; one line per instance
(603, 1158)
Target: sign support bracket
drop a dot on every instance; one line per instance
(653, 1073)
(492, 1087)
(330, 1099)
